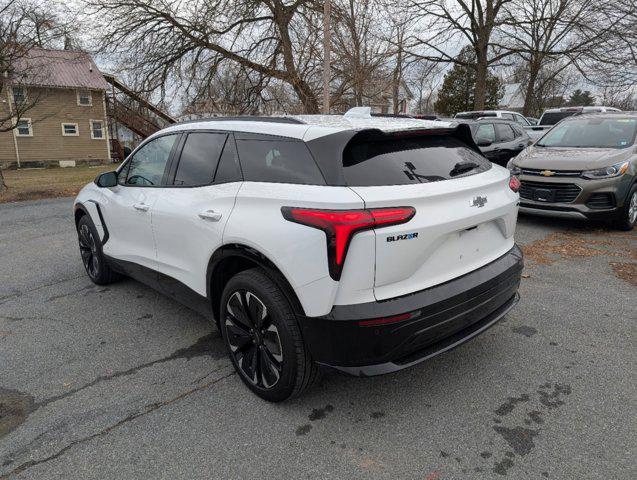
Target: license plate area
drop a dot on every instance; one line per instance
(544, 195)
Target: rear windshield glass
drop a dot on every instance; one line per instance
(404, 161)
(554, 117)
(592, 133)
(278, 161)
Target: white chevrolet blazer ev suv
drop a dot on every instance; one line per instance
(352, 243)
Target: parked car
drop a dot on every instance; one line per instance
(585, 166)
(502, 114)
(553, 115)
(499, 140)
(533, 120)
(365, 245)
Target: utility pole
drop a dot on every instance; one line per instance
(327, 47)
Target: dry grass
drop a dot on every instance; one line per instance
(36, 183)
(625, 271)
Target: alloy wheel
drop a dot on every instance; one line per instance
(88, 250)
(632, 209)
(254, 340)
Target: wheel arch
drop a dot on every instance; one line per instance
(231, 259)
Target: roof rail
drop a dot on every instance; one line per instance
(247, 118)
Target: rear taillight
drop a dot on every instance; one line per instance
(514, 184)
(341, 225)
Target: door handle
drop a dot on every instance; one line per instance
(142, 207)
(210, 215)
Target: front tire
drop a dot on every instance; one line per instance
(92, 255)
(628, 214)
(263, 339)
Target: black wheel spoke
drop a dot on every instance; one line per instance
(88, 251)
(253, 339)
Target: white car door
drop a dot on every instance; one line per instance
(128, 207)
(191, 212)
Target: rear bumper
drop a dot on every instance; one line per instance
(354, 340)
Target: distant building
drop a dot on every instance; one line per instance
(67, 123)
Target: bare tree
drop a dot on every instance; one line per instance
(168, 43)
(558, 32)
(360, 54)
(450, 24)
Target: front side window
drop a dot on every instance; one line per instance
(97, 129)
(24, 128)
(70, 130)
(278, 161)
(521, 120)
(19, 96)
(84, 98)
(199, 159)
(146, 168)
(507, 116)
(592, 133)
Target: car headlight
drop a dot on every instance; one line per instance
(515, 170)
(607, 172)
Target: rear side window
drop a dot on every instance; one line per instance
(405, 161)
(199, 159)
(485, 133)
(505, 132)
(278, 161)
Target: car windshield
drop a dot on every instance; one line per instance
(474, 115)
(592, 133)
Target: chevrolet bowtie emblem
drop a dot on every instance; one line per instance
(547, 173)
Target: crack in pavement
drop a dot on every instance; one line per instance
(148, 409)
(201, 347)
(12, 296)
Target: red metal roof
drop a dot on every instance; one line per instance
(59, 68)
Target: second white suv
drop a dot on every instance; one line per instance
(360, 244)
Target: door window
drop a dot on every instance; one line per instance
(521, 120)
(149, 162)
(507, 116)
(199, 159)
(485, 133)
(505, 132)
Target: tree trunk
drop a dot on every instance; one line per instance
(307, 96)
(3, 186)
(480, 93)
(534, 69)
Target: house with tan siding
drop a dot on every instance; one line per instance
(64, 121)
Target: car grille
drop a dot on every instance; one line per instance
(556, 173)
(601, 200)
(563, 192)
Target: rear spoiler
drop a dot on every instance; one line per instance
(328, 150)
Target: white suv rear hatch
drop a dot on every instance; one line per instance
(463, 220)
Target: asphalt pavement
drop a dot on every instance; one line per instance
(121, 382)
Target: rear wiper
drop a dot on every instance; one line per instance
(462, 167)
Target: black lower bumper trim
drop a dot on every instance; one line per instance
(439, 318)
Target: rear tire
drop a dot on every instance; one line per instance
(92, 255)
(263, 339)
(628, 214)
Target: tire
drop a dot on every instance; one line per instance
(92, 255)
(628, 214)
(271, 360)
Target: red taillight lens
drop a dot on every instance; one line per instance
(514, 184)
(341, 225)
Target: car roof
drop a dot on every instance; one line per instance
(611, 114)
(488, 111)
(307, 127)
(592, 108)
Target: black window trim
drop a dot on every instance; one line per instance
(126, 164)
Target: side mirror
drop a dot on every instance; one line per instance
(483, 143)
(105, 180)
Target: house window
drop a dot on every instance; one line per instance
(84, 98)
(70, 130)
(97, 129)
(19, 95)
(24, 128)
